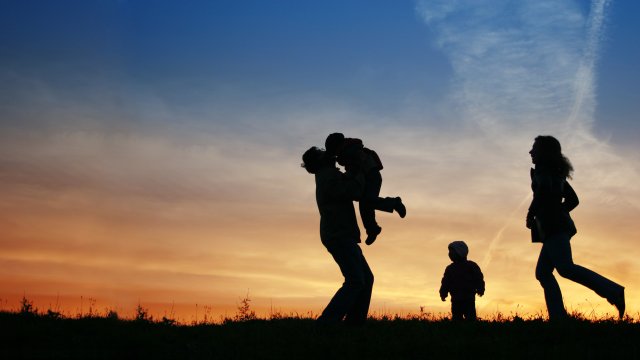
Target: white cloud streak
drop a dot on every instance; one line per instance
(527, 68)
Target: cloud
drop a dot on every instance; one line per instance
(528, 68)
(514, 63)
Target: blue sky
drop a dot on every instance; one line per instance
(617, 75)
(373, 55)
(147, 135)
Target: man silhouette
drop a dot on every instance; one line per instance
(339, 232)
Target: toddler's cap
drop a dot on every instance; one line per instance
(460, 248)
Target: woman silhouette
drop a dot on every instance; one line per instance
(550, 223)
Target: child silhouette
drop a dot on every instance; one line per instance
(462, 279)
(352, 154)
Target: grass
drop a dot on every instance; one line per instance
(29, 334)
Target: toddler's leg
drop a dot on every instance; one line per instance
(457, 311)
(371, 201)
(373, 182)
(470, 311)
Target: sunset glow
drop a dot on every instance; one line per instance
(150, 151)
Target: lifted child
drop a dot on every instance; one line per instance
(352, 154)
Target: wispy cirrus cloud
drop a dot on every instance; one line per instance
(527, 68)
(515, 63)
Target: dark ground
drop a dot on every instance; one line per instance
(42, 337)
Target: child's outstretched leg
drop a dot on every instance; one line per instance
(372, 201)
(373, 183)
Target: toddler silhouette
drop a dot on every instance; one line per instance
(462, 279)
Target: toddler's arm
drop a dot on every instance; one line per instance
(479, 281)
(445, 285)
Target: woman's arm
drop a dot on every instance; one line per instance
(531, 213)
(570, 197)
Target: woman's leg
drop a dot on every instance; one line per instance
(552, 293)
(560, 252)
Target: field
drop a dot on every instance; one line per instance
(35, 336)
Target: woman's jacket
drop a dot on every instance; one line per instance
(553, 199)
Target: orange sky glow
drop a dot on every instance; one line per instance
(196, 230)
(150, 153)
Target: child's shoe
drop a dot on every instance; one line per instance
(372, 235)
(400, 208)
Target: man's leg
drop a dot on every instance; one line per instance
(358, 313)
(348, 257)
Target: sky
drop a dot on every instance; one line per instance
(150, 150)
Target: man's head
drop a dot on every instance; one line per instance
(313, 159)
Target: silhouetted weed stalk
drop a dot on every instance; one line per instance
(244, 313)
(244, 310)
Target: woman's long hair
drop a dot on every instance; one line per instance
(551, 157)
